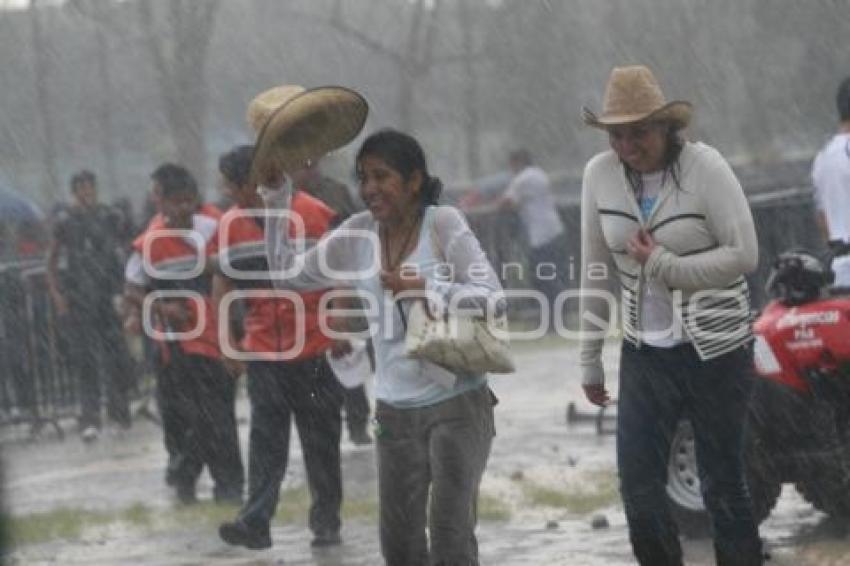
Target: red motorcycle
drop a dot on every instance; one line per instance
(799, 418)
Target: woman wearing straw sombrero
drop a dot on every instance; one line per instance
(669, 217)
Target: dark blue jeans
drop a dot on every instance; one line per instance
(307, 391)
(197, 402)
(100, 359)
(658, 386)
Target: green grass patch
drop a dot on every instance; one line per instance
(70, 524)
(137, 515)
(360, 509)
(492, 509)
(206, 514)
(293, 508)
(62, 523)
(595, 491)
(295, 505)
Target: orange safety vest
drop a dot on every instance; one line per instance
(173, 253)
(271, 324)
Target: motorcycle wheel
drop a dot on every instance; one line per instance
(683, 484)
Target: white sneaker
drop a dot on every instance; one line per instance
(90, 434)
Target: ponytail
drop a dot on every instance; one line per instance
(430, 192)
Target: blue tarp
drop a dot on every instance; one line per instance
(17, 209)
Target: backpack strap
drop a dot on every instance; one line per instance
(435, 238)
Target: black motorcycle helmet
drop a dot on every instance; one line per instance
(797, 277)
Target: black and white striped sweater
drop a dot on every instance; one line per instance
(706, 244)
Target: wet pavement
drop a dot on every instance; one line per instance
(544, 485)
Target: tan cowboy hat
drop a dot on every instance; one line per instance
(632, 95)
(295, 126)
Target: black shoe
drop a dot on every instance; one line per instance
(238, 533)
(359, 437)
(326, 538)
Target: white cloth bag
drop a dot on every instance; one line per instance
(459, 343)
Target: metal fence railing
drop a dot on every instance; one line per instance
(38, 387)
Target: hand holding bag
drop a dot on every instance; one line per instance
(457, 342)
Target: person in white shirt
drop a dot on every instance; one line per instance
(831, 178)
(530, 194)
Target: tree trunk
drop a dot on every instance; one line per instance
(406, 92)
(102, 20)
(187, 107)
(50, 180)
(181, 76)
(471, 121)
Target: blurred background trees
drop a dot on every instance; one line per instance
(121, 85)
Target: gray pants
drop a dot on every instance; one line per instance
(430, 463)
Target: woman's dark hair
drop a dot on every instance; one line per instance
(235, 165)
(174, 179)
(404, 154)
(673, 143)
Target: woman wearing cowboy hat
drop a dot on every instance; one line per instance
(670, 219)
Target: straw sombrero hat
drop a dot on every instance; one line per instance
(633, 94)
(295, 125)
